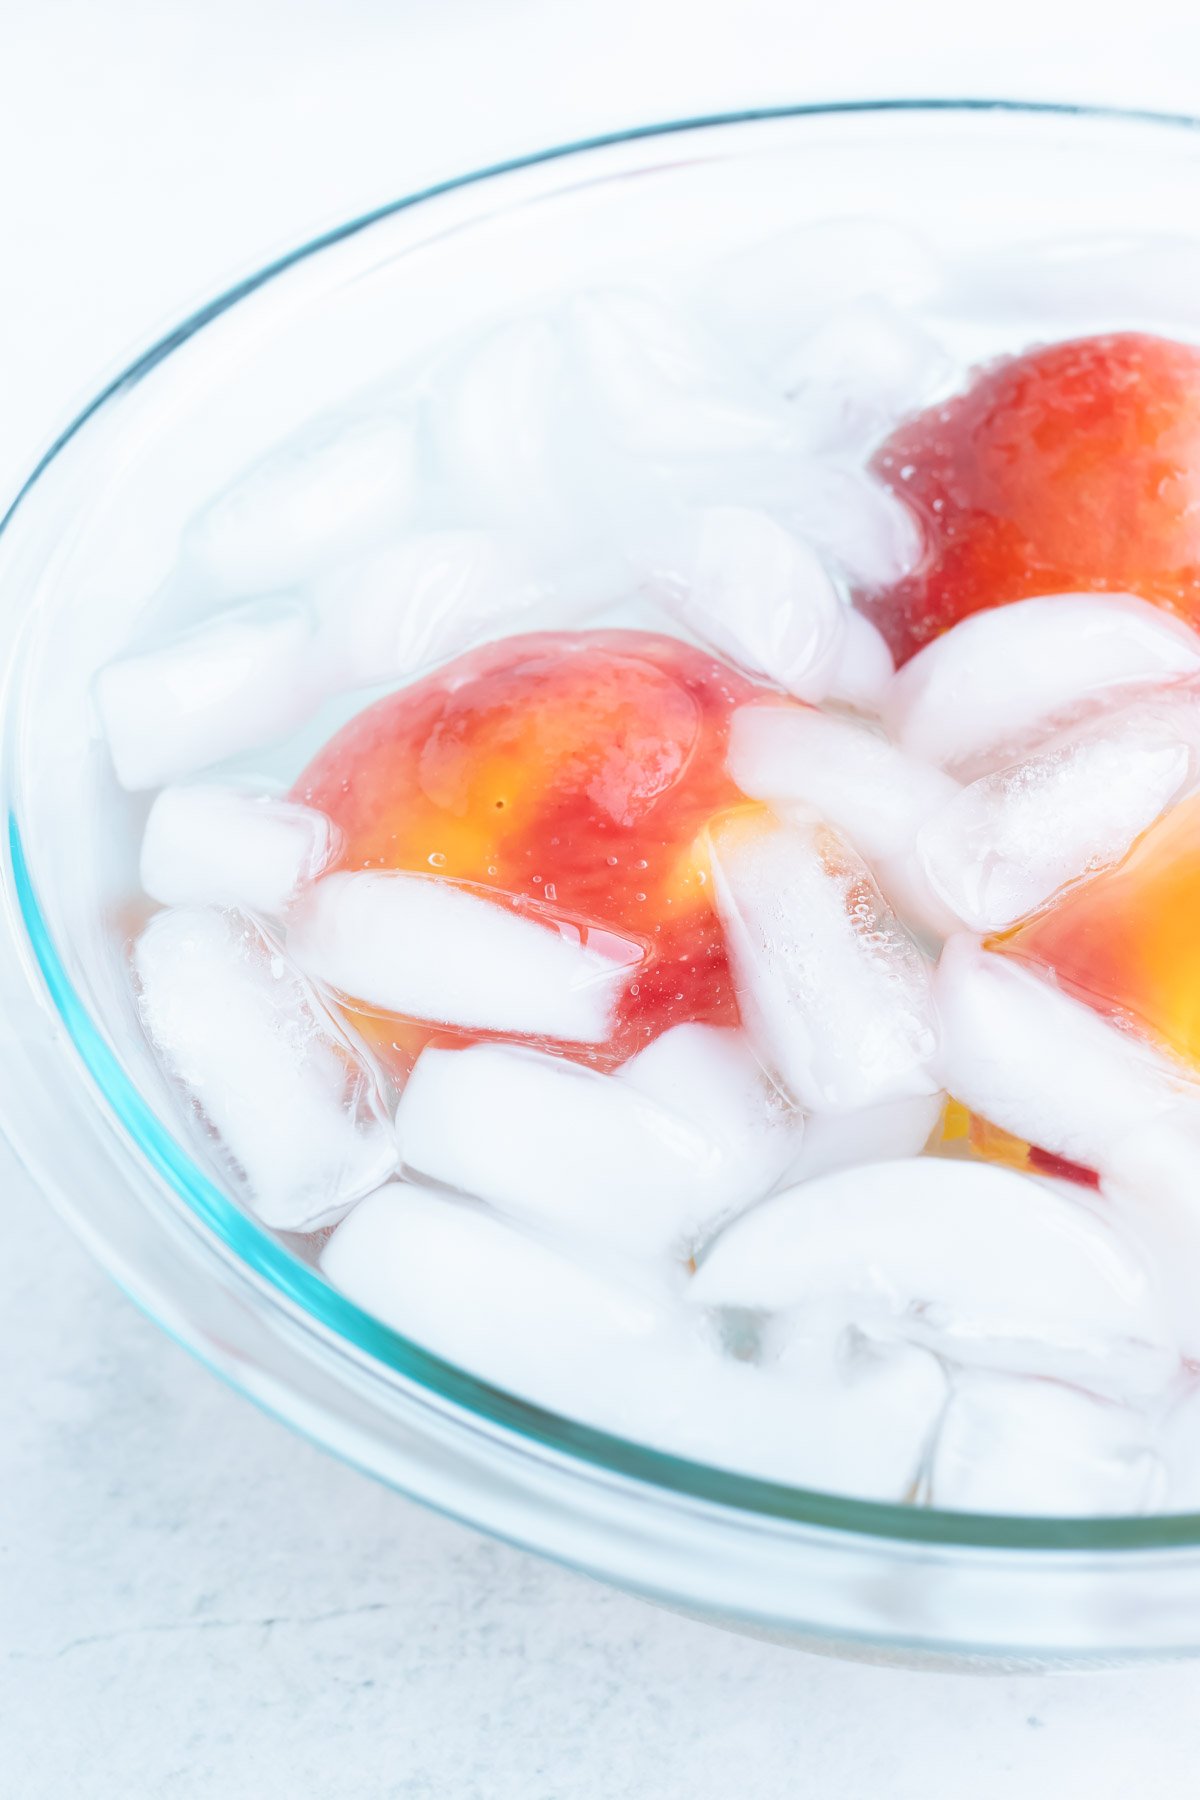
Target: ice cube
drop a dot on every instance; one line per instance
(760, 596)
(800, 762)
(766, 291)
(833, 992)
(208, 844)
(517, 1312)
(618, 1160)
(839, 1414)
(858, 372)
(663, 387)
(288, 1095)
(498, 424)
(1013, 1445)
(1003, 847)
(1149, 1176)
(427, 948)
(864, 668)
(424, 598)
(876, 1134)
(1001, 681)
(328, 494)
(237, 682)
(592, 1344)
(1042, 1065)
(852, 521)
(977, 1262)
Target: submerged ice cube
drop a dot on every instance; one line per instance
(979, 1263)
(289, 1097)
(391, 615)
(323, 496)
(207, 844)
(1037, 1062)
(1000, 682)
(798, 760)
(430, 949)
(244, 678)
(497, 424)
(852, 521)
(1012, 1445)
(518, 1312)
(875, 1134)
(663, 388)
(857, 372)
(834, 993)
(1007, 844)
(649, 1160)
(759, 595)
(864, 668)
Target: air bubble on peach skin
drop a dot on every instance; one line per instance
(1001, 681)
(651, 1159)
(980, 1264)
(288, 1095)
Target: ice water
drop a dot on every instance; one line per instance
(730, 975)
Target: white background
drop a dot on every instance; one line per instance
(193, 1603)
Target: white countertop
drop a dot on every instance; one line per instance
(193, 1602)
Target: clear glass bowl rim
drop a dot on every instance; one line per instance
(283, 1278)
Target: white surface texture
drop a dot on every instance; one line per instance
(194, 1603)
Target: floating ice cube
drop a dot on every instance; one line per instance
(977, 1262)
(841, 1415)
(770, 290)
(834, 994)
(876, 1134)
(760, 596)
(999, 682)
(852, 521)
(801, 761)
(857, 373)
(864, 668)
(523, 1315)
(287, 1094)
(1012, 1445)
(1043, 1065)
(638, 1161)
(663, 388)
(338, 486)
(1007, 844)
(431, 949)
(239, 681)
(229, 846)
(423, 599)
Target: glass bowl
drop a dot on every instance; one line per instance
(89, 542)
